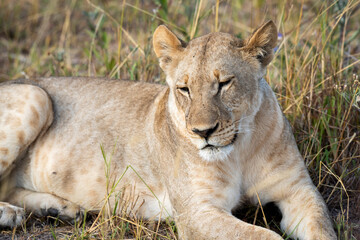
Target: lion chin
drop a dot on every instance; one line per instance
(212, 153)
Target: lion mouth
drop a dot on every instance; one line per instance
(212, 152)
(211, 147)
(217, 148)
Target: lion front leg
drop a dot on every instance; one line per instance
(214, 223)
(45, 204)
(305, 214)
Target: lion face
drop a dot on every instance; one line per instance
(213, 84)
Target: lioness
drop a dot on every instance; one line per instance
(215, 135)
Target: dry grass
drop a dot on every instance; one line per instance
(315, 75)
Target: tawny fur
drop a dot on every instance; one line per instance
(210, 139)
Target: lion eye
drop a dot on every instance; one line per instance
(184, 89)
(225, 83)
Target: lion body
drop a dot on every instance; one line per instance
(192, 150)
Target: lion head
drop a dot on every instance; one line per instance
(214, 84)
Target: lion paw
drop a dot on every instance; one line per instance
(66, 211)
(10, 216)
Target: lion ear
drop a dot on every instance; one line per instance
(262, 42)
(167, 46)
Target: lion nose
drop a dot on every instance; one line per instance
(205, 133)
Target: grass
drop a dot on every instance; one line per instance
(315, 75)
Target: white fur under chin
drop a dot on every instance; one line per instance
(219, 154)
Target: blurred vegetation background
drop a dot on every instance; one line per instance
(315, 75)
